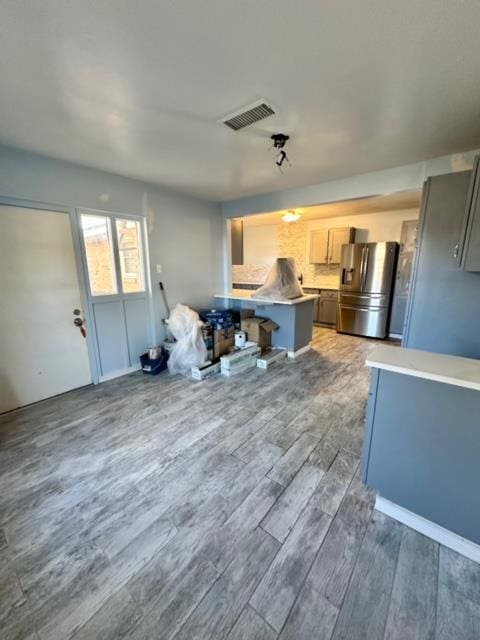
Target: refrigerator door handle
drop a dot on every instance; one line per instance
(365, 253)
(362, 268)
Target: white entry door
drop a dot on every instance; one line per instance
(42, 351)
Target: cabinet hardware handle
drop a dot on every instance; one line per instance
(455, 251)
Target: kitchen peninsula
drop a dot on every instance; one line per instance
(422, 443)
(294, 317)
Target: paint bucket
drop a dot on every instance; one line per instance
(240, 339)
(154, 352)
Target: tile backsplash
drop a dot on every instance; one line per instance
(292, 240)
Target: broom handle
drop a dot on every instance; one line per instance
(164, 296)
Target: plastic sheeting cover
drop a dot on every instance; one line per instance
(189, 350)
(281, 283)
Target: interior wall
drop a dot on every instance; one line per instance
(184, 233)
(293, 242)
(371, 227)
(260, 244)
(405, 178)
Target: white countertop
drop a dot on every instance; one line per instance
(306, 285)
(247, 294)
(461, 372)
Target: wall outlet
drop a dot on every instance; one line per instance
(159, 268)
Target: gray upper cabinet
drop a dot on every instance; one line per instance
(336, 239)
(444, 301)
(318, 246)
(326, 244)
(467, 251)
(237, 240)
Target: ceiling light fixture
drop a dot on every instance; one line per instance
(279, 141)
(291, 216)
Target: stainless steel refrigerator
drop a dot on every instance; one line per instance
(366, 284)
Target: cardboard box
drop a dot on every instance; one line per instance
(218, 318)
(223, 340)
(259, 330)
(233, 372)
(238, 358)
(271, 356)
(205, 370)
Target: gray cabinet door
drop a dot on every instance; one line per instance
(468, 249)
(444, 301)
(336, 239)
(327, 311)
(236, 233)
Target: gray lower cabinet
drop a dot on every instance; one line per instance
(421, 449)
(325, 307)
(327, 310)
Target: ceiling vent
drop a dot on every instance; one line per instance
(248, 115)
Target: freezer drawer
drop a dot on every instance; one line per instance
(364, 299)
(362, 321)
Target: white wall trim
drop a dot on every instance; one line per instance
(120, 372)
(298, 352)
(430, 529)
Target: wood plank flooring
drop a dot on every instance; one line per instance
(163, 508)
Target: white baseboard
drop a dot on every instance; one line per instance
(395, 336)
(298, 352)
(120, 372)
(430, 529)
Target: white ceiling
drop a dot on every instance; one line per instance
(401, 201)
(137, 87)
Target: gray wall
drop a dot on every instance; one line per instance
(402, 178)
(184, 233)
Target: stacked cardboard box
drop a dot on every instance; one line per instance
(223, 341)
(222, 322)
(271, 356)
(240, 360)
(205, 370)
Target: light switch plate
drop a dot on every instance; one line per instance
(159, 268)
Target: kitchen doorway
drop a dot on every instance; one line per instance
(42, 351)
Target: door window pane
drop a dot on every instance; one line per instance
(130, 254)
(97, 235)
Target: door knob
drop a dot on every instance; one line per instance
(78, 322)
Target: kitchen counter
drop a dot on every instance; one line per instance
(454, 370)
(248, 294)
(294, 317)
(422, 443)
(327, 284)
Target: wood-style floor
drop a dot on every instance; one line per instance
(158, 508)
